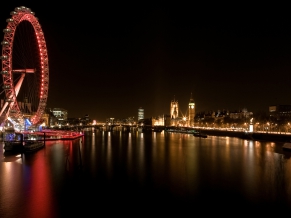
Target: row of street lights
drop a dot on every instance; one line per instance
(256, 127)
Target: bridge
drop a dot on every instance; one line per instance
(114, 127)
(104, 127)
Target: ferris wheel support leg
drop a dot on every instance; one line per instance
(17, 88)
(3, 108)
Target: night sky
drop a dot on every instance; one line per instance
(107, 60)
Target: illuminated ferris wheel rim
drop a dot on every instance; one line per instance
(18, 15)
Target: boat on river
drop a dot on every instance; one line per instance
(15, 142)
(157, 129)
(287, 146)
(32, 145)
(23, 146)
(185, 130)
(199, 134)
(13, 146)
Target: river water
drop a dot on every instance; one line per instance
(136, 174)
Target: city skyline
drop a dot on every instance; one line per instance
(112, 59)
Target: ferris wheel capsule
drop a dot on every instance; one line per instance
(4, 72)
(4, 43)
(6, 87)
(6, 30)
(4, 57)
(9, 100)
(13, 13)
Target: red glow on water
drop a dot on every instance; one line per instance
(40, 201)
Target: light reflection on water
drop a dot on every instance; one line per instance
(135, 169)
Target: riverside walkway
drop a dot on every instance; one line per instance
(259, 136)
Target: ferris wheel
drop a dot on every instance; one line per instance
(25, 69)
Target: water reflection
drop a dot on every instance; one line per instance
(118, 169)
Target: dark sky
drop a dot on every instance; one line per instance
(107, 60)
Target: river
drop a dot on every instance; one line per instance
(136, 174)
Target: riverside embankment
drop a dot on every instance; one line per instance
(259, 136)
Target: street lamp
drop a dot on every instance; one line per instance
(257, 126)
(184, 121)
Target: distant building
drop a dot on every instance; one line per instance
(158, 121)
(164, 120)
(73, 121)
(45, 119)
(140, 114)
(167, 120)
(240, 114)
(220, 115)
(280, 112)
(60, 113)
(110, 121)
(145, 122)
(85, 120)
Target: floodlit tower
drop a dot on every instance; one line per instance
(174, 109)
(191, 111)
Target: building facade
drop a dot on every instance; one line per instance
(280, 112)
(140, 114)
(60, 114)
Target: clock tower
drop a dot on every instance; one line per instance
(191, 109)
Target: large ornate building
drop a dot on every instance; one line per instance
(186, 120)
(174, 109)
